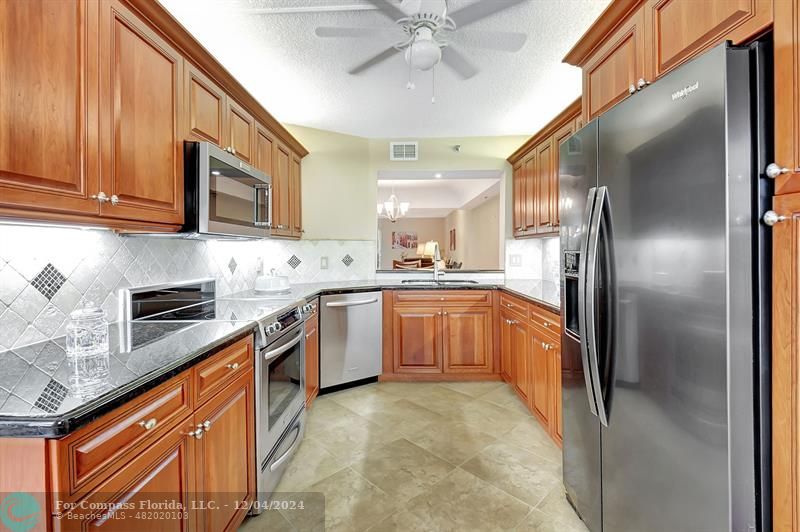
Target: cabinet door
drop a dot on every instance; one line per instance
(518, 200)
(545, 219)
(520, 353)
(467, 340)
(140, 102)
(281, 182)
(417, 333)
(614, 67)
(787, 94)
(312, 359)
(678, 30)
(205, 107)
(164, 473)
(265, 150)
(529, 207)
(46, 88)
(506, 348)
(295, 195)
(559, 138)
(554, 381)
(540, 399)
(241, 132)
(225, 455)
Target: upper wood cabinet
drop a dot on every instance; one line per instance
(295, 197)
(140, 95)
(281, 196)
(467, 340)
(678, 30)
(264, 150)
(241, 132)
(535, 176)
(45, 136)
(635, 40)
(96, 99)
(205, 107)
(786, 42)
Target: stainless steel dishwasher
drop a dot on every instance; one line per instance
(350, 338)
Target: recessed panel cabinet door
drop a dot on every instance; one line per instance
(241, 132)
(296, 197)
(417, 333)
(265, 150)
(518, 186)
(225, 454)
(555, 398)
(44, 137)
(140, 104)
(521, 360)
(506, 348)
(467, 340)
(787, 94)
(559, 138)
(531, 198)
(540, 399)
(205, 107)
(312, 359)
(544, 188)
(281, 183)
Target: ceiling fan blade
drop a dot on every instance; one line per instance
(335, 31)
(460, 64)
(389, 9)
(372, 61)
(504, 41)
(481, 9)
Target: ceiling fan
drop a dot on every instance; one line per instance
(424, 27)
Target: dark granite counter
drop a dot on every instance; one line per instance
(43, 393)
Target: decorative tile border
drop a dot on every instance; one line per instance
(46, 273)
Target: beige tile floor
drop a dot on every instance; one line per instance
(426, 457)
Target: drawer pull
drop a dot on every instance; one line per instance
(197, 434)
(150, 424)
(206, 425)
(235, 365)
(546, 324)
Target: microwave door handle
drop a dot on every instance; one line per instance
(269, 355)
(256, 192)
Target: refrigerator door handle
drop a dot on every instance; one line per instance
(591, 303)
(582, 315)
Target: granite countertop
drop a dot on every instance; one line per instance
(41, 397)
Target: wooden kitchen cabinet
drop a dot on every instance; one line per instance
(467, 343)
(786, 42)
(281, 195)
(226, 455)
(417, 333)
(46, 162)
(535, 176)
(521, 360)
(205, 107)
(264, 150)
(140, 101)
(506, 347)
(295, 197)
(555, 380)
(312, 358)
(241, 131)
(540, 370)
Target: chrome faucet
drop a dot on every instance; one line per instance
(437, 257)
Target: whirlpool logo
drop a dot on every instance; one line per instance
(686, 91)
(19, 512)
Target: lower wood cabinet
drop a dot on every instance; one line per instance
(417, 339)
(521, 374)
(312, 358)
(540, 374)
(467, 340)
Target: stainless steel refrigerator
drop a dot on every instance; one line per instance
(665, 292)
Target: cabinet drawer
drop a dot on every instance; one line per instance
(547, 320)
(443, 297)
(514, 305)
(93, 454)
(215, 373)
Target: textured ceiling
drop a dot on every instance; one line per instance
(270, 46)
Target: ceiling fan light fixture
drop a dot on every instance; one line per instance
(423, 54)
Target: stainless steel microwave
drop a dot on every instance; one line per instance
(224, 196)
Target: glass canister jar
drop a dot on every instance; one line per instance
(87, 331)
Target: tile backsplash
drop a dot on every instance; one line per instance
(45, 273)
(533, 258)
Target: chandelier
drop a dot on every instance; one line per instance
(392, 209)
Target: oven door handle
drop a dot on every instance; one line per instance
(289, 452)
(269, 355)
(335, 304)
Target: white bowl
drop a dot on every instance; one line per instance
(272, 285)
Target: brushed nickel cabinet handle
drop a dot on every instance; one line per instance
(771, 218)
(150, 424)
(206, 425)
(773, 170)
(235, 365)
(100, 197)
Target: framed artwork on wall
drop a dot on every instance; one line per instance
(452, 239)
(404, 240)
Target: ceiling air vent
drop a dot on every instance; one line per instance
(403, 151)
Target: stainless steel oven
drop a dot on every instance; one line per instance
(223, 196)
(280, 396)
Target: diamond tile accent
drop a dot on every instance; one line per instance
(233, 316)
(48, 281)
(52, 396)
(232, 265)
(294, 262)
(348, 260)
